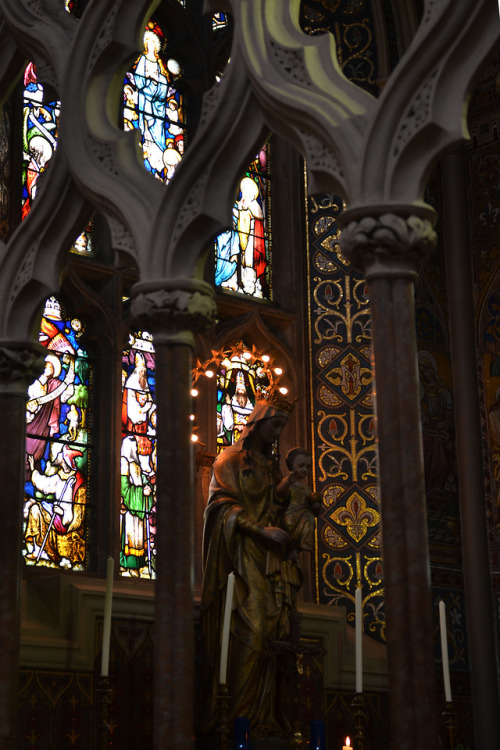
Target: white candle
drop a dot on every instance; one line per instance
(444, 651)
(106, 631)
(359, 646)
(347, 745)
(224, 650)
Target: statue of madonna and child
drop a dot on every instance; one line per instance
(256, 523)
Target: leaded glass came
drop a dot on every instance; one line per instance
(57, 448)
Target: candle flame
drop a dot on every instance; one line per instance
(347, 742)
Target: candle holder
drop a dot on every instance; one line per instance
(297, 740)
(359, 708)
(224, 700)
(450, 722)
(104, 702)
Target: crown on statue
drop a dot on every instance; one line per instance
(274, 397)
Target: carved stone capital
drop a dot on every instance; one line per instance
(20, 364)
(388, 244)
(173, 313)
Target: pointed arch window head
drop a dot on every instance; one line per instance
(243, 253)
(55, 530)
(153, 105)
(138, 458)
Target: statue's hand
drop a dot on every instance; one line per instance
(274, 537)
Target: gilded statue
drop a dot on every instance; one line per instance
(242, 534)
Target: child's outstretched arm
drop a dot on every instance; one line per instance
(285, 484)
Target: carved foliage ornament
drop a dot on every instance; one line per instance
(174, 311)
(19, 366)
(390, 240)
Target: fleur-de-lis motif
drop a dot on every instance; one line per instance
(356, 517)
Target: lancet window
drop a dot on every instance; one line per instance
(138, 458)
(153, 105)
(240, 372)
(243, 253)
(58, 448)
(40, 126)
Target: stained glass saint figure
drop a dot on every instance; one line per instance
(237, 381)
(138, 459)
(242, 253)
(153, 105)
(40, 125)
(57, 445)
(39, 135)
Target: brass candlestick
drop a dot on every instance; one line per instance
(358, 704)
(104, 703)
(450, 722)
(224, 700)
(297, 741)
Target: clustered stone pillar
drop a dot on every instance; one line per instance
(20, 364)
(388, 248)
(172, 315)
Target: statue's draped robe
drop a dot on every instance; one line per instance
(241, 493)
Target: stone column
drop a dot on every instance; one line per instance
(20, 364)
(478, 595)
(388, 249)
(172, 315)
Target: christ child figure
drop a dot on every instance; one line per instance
(299, 504)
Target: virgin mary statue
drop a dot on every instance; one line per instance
(238, 535)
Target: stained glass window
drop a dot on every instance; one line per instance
(152, 104)
(138, 458)
(57, 447)
(40, 124)
(242, 253)
(219, 21)
(238, 377)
